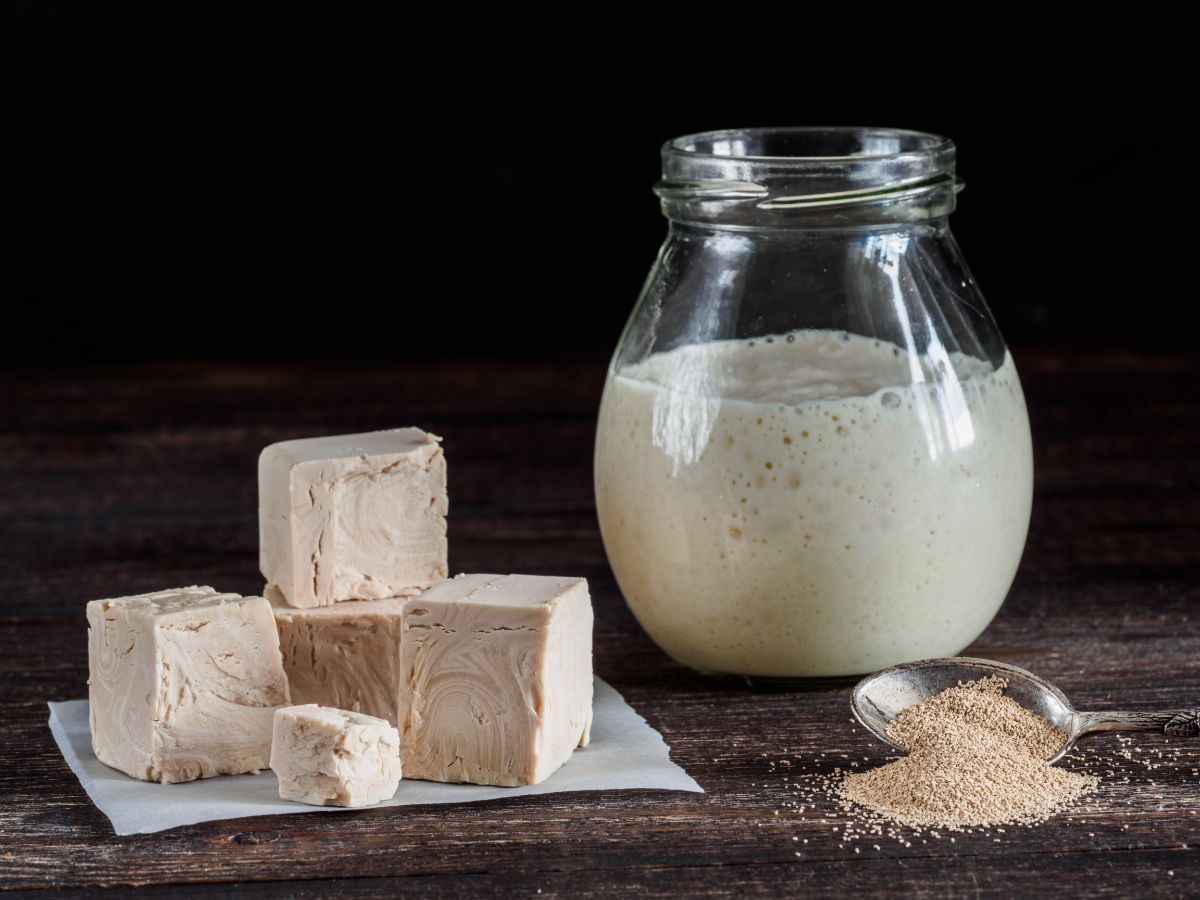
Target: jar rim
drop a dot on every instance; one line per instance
(738, 173)
(924, 144)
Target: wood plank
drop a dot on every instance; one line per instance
(1154, 873)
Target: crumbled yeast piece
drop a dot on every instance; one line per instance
(352, 517)
(497, 678)
(183, 683)
(332, 757)
(346, 656)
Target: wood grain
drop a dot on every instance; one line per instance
(129, 479)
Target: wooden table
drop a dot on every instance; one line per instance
(129, 479)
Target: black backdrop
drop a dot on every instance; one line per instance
(371, 180)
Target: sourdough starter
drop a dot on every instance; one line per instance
(816, 503)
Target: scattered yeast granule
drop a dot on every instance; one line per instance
(975, 758)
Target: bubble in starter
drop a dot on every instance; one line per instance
(890, 400)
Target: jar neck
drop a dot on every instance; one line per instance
(808, 178)
(793, 232)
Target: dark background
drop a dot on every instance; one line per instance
(383, 181)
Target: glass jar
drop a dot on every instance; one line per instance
(813, 455)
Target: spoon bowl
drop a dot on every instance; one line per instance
(878, 698)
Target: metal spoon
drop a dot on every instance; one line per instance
(877, 698)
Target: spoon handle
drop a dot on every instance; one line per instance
(1180, 722)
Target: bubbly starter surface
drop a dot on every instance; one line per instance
(816, 503)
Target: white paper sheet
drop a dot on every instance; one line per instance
(624, 753)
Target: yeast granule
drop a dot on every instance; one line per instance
(975, 758)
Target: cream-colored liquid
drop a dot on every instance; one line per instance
(798, 506)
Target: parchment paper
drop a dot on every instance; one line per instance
(624, 753)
